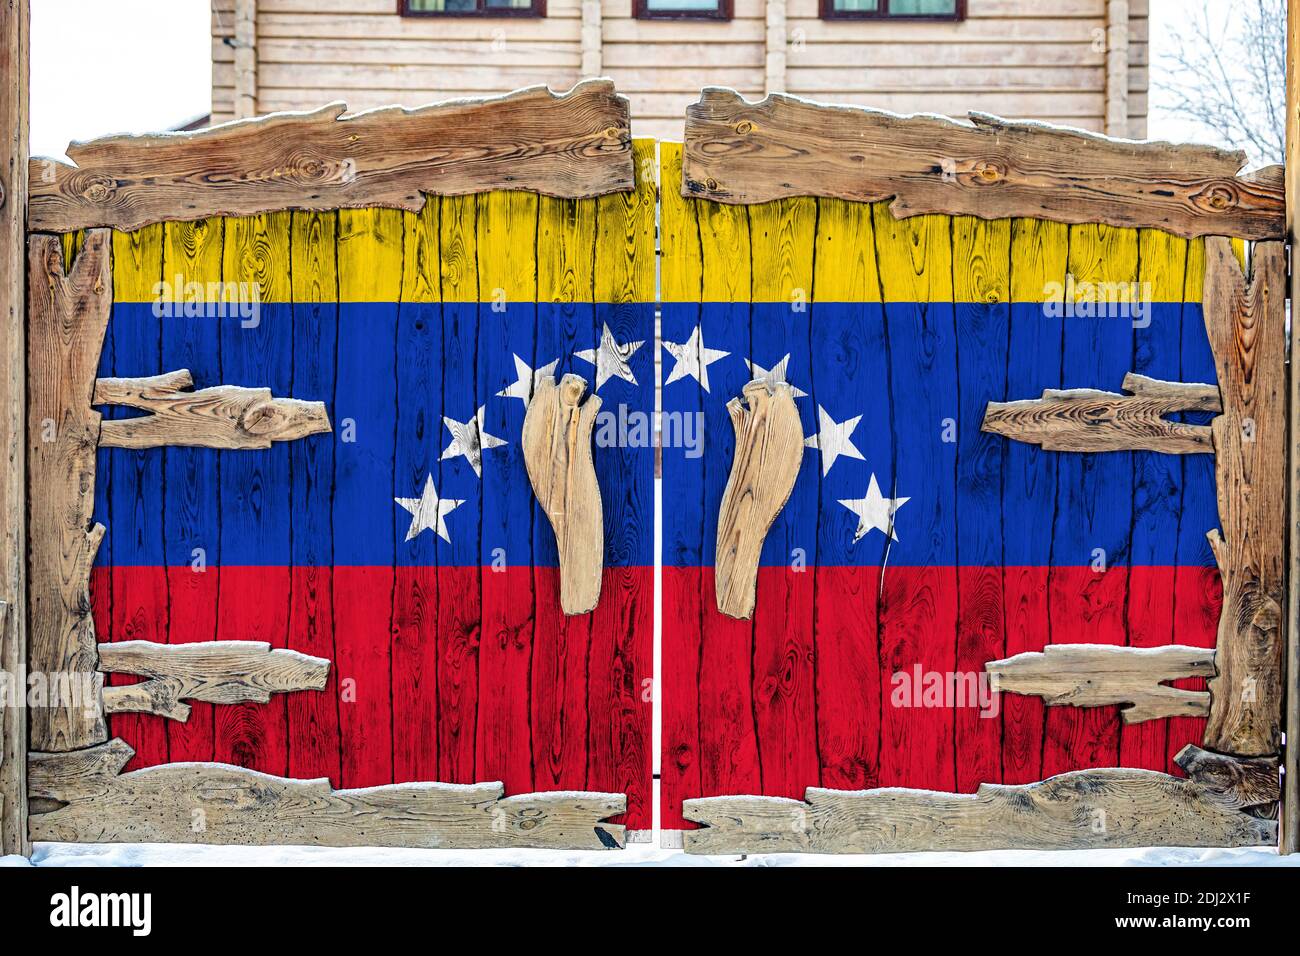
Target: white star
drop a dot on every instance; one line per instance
(469, 439)
(693, 359)
(833, 439)
(429, 511)
(610, 358)
(773, 375)
(522, 387)
(874, 512)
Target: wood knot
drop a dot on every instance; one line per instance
(711, 184)
(744, 127)
(989, 172)
(1218, 197)
(99, 189)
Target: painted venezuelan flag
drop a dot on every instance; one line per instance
(913, 543)
(405, 546)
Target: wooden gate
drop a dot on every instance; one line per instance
(989, 384)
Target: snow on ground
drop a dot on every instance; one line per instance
(155, 854)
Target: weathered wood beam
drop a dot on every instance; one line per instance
(742, 152)
(220, 672)
(1102, 675)
(224, 416)
(1084, 809)
(1291, 799)
(1089, 420)
(572, 145)
(14, 128)
(557, 453)
(67, 316)
(1250, 781)
(769, 450)
(1247, 330)
(84, 797)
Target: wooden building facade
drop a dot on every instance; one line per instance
(1080, 63)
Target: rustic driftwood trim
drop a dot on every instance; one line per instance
(557, 453)
(1246, 322)
(220, 672)
(84, 797)
(740, 152)
(1253, 781)
(1085, 809)
(1291, 799)
(572, 145)
(769, 450)
(1089, 420)
(224, 416)
(1101, 675)
(14, 121)
(67, 317)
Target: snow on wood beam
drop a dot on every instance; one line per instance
(740, 152)
(574, 145)
(1084, 809)
(224, 416)
(1090, 420)
(219, 672)
(84, 797)
(1101, 675)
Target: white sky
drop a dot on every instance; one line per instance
(111, 66)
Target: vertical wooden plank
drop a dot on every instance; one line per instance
(135, 486)
(981, 293)
(566, 242)
(1290, 836)
(419, 437)
(1088, 582)
(681, 595)
(460, 596)
(370, 256)
(506, 245)
(1039, 253)
(1245, 317)
(781, 241)
(314, 743)
(730, 760)
(1157, 483)
(253, 588)
(918, 605)
(848, 335)
(620, 708)
(14, 86)
(191, 338)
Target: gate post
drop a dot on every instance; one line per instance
(1290, 842)
(14, 99)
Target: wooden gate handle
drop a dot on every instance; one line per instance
(769, 449)
(557, 453)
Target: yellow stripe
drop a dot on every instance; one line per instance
(71, 243)
(1195, 280)
(421, 268)
(566, 250)
(845, 253)
(191, 261)
(725, 252)
(1163, 266)
(457, 248)
(506, 229)
(255, 259)
(915, 256)
(681, 261)
(982, 260)
(370, 255)
(315, 272)
(782, 236)
(1103, 263)
(625, 235)
(137, 264)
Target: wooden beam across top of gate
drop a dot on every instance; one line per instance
(573, 145)
(739, 152)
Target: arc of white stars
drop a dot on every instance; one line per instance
(610, 358)
(833, 439)
(875, 512)
(470, 439)
(775, 374)
(429, 512)
(526, 380)
(693, 359)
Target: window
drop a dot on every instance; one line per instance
(893, 9)
(683, 9)
(472, 8)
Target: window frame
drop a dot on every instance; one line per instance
(828, 12)
(536, 11)
(724, 11)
